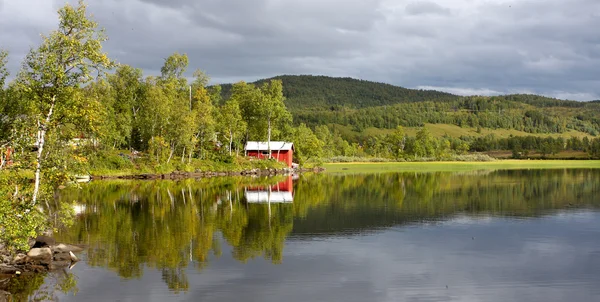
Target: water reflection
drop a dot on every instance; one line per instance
(282, 192)
(39, 287)
(176, 227)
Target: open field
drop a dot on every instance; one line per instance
(353, 168)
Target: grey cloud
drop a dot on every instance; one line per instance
(548, 47)
(426, 7)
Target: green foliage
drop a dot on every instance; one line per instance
(307, 144)
(110, 160)
(231, 124)
(35, 287)
(19, 220)
(3, 70)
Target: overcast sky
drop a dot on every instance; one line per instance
(486, 47)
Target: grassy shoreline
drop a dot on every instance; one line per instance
(455, 166)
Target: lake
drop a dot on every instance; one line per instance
(512, 235)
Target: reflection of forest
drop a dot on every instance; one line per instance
(39, 286)
(356, 203)
(173, 225)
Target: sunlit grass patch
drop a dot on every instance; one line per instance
(361, 167)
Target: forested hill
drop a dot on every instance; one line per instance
(318, 92)
(359, 104)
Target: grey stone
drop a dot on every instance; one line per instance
(40, 255)
(43, 241)
(5, 296)
(63, 256)
(19, 259)
(7, 270)
(65, 248)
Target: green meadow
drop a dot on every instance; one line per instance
(354, 168)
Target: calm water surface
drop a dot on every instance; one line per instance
(530, 235)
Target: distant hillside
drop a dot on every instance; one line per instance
(306, 91)
(360, 105)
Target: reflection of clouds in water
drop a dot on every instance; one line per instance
(417, 264)
(576, 216)
(464, 220)
(534, 260)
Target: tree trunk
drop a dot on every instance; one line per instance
(269, 137)
(202, 145)
(42, 136)
(171, 153)
(230, 141)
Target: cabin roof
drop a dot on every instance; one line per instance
(263, 146)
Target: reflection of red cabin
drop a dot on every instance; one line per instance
(282, 151)
(283, 192)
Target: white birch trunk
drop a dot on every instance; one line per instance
(230, 141)
(171, 153)
(42, 137)
(269, 137)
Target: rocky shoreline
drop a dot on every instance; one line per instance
(208, 174)
(44, 255)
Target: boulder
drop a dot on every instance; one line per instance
(63, 256)
(65, 248)
(19, 259)
(43, 241)
(5, 259)
(5, 296)
(40, 255)
(7, 270)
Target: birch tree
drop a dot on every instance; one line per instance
(3, 69)
(231, 122)
(66, 60)
(272, 107)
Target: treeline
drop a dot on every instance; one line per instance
(317, 100)
(474, 112)
(522, 146)
(424, 146)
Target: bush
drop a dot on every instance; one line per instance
(111, 160)
(19, 221)
(472, 157)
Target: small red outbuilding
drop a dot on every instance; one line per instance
(282, 151)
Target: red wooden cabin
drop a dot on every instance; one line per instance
(282, 151)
